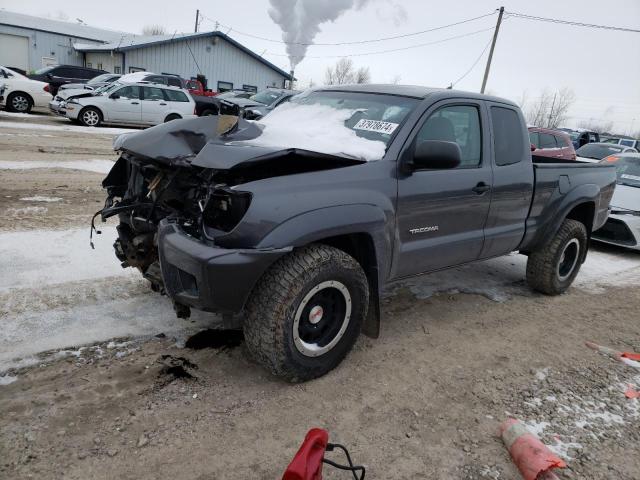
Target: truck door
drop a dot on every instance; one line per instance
(441, 213)
(512, 181)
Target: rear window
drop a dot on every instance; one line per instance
(597, 151)
(508, 142)
(560, 141)
(176, 96)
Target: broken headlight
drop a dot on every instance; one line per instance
(225, 208)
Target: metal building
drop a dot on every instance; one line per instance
(31, 43)
(224, 62)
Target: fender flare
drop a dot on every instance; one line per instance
(343, 220)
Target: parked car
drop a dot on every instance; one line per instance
(95, 82)
(58, 75)
(623, 225)
(58, 102)
(21, 93)
(268, 100)
(302, 239)
(551, 143)
(626, 141)
(2, 89)
(580, 138)
(594, 152)
(131, 104)
(19, 70)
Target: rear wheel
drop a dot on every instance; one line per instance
(90, 117)
(552, 268)
(209, 111)
(306, 312)
(19, 102)
(171, 117)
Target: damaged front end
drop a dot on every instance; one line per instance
(176, 188)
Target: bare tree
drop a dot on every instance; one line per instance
(550, 109)
(153, 30)
(343, 72)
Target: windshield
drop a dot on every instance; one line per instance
(628, 170)
(266, 97)
(597, 151)
(107, 89)
(374, 117)
(42, 70)
(105, 77)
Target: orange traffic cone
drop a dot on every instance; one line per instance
(532, 457)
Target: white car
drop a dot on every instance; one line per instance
(594, 152)
(140, 104)
(59, 100)
(623, 225)
(21, 93)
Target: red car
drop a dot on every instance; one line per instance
(546, 142)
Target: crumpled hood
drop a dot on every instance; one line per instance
(626, 198)
(196, 142)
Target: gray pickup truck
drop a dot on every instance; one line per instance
(297, 244)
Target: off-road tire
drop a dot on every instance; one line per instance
(171, 117)
(19, 102)
(543, 264)
(85, 110)
(272, 306)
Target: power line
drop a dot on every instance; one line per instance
(393, 49)
(569, 22)
(453, 84)
(356, 42)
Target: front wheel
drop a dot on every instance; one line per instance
(552, 268)
(90, 117)
(305, 314)
(171, 117)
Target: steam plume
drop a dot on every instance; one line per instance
(300, 21)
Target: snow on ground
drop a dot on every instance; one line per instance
(41, 198)
(39, 257)
(66, 128)
(91, 165)
(46, 310)
(500, 278)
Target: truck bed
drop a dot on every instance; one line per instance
(555, 182)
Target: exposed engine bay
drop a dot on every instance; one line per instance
(191, 173)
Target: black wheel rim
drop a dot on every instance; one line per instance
(568, 259)
(322, 318)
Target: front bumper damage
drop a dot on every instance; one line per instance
(206, 277)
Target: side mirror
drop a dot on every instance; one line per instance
(252, 114)
(114, 96)
(533, 147)
(436, 154)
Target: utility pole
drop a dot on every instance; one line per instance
(553, 104)
(493, 45)
(197, 18)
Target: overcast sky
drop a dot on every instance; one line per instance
(602, 67)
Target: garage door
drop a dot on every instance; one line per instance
(14, 51)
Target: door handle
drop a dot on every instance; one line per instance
(481, 188)
(163, 104)
(135, 103)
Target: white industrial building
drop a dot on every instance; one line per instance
(31, 43)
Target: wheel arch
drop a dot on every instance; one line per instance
(172, 114)
(27, 94)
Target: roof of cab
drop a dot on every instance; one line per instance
(415, 91)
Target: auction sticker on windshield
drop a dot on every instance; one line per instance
(376, 126)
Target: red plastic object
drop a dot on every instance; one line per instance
(531, 456)
(631, 356)
(632, 392)
(307, 463)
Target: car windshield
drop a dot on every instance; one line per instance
(105, 77)
(597, 151)
(266, 97)
(107, 89)
(628, 170)
(374, 117)
(43, 70)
